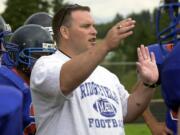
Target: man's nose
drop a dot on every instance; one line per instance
(93, 30)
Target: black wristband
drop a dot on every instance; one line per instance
(151, 86)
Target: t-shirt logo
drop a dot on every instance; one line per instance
(105, 108)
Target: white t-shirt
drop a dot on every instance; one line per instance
(96, 107)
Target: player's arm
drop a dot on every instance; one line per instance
(150, 120)
(156, 127)
(75, 71)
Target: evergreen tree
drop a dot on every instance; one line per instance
(57, 4)
(18, 11)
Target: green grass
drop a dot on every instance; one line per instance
(137, 129)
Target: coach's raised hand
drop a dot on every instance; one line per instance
(147, 65)
(120, 31)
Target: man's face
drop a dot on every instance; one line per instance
(82, 34)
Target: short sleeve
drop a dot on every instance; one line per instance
(45, 76)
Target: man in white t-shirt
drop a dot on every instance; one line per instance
(71, 94)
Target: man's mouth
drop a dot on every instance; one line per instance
(92, 40)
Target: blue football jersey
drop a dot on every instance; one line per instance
(10, 78)
(6, 60)
(171, 121)
(10, 111)
(162, 53)
(170, 79)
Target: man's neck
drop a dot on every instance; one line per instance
(64, 53)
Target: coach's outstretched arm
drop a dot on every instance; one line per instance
(149, 74)
(75, 71)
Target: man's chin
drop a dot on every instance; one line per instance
(92, 44)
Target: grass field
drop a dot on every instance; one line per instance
(137, 129)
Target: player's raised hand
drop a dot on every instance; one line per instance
(118, 32)
(146, 65)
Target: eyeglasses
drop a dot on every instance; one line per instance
(66, 10)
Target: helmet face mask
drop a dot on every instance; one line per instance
(28, 56)
(168, 22)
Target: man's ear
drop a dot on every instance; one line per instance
(64, 32)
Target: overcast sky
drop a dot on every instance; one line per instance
(105, 10)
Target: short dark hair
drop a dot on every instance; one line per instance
(63, 16)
